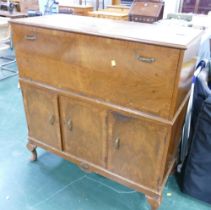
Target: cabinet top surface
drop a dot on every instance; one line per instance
(172, 36)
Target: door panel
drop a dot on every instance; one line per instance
(135, 148)
(84, 131)
(42, 115)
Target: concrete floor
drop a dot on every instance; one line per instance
(52, 183)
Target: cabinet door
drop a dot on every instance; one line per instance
(83, 128)
(135, 148)
(42, 115)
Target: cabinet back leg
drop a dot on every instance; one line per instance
(32, 148)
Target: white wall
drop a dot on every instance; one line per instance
(171, 6)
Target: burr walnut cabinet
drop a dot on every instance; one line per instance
(107, 95)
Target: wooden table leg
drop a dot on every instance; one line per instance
(154, 201)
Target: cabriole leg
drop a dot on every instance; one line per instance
(154, 201)
(32, 148)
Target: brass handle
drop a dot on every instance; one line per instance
(117, 143)
(30, 37)
(52, 120)
(70, 124)
(145, 60)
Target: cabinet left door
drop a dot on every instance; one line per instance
(42, 114)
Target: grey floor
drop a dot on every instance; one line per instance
(52, 183)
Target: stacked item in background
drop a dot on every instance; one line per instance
(115, 12)
(146, 11)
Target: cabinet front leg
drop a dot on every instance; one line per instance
(32, 148)
(154, 201)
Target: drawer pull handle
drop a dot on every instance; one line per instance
(117, 143)
(30, 37)
(70, 124)
(145, 60)
(52, 120)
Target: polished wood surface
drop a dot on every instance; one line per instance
(83, 129)
(77, 8)
(42, 115)
(184, 76)
(133, 142)
(171, 36)
(110, 103)
(109, 15)
(115, 2)
(89, 72)
(114, 12)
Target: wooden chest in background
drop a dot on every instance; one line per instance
(114, 12)
(107, 95)
(146, 11)
(76, 9)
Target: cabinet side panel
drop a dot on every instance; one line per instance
(185, 70)
(175, 138)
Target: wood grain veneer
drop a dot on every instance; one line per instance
(107, 95)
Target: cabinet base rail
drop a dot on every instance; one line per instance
(153, 198)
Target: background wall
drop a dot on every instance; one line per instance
(171, 6)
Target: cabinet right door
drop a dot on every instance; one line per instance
(135, 148)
